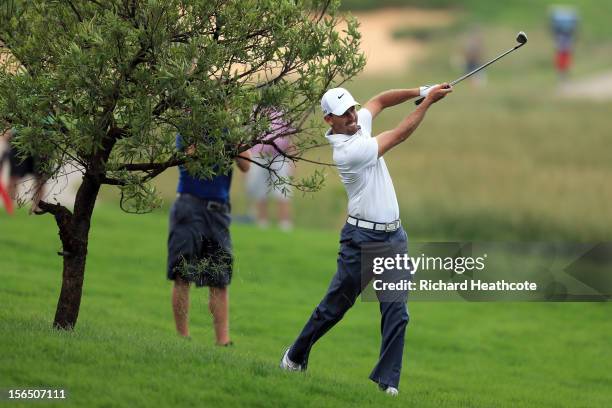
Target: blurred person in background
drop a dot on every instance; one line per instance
(472, 52)
(4, 157)
(563, 22)
(22, 165)
(200, 246)
(266, 179)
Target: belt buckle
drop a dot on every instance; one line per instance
(390, 227)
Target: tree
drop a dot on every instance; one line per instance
(106, 85)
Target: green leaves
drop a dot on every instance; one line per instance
(129, 76)
(138, 197)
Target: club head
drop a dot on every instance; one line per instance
(521, 37)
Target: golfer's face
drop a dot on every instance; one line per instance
(345, 123)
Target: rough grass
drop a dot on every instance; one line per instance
(124, 351)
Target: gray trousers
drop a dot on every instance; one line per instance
(345, 286)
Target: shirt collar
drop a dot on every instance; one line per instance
(341, 136)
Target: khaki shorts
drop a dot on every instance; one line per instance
(263, 183)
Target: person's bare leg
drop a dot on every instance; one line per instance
(180, 306)
(284, 214)
(12, 187)
(262, 213)
(218, 304)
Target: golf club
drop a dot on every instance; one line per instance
(521, 38)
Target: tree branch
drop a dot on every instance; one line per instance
(76, 12)
(281, 179)
(97, 3)
(57, 210)
(63, 219)
(112, 181)
(151, 166)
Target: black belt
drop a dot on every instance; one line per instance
(211, 205)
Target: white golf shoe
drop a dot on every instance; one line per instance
(392, 391)
(387, 389)
(289, 365)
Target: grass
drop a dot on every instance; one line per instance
(510, 161)
(124, 351)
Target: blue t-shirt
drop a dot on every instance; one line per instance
(216, 188)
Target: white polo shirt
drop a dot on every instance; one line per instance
(370, 191)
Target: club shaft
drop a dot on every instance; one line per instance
(469, 74)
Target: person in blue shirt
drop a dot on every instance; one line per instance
(200, 246)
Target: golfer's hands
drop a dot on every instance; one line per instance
(425, 89)
(438, 92)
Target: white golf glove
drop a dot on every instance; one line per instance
(424, 90)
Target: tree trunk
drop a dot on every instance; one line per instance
(74, 233)
(69, 302)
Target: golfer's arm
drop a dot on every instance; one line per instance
(389, 98)
(391, 138)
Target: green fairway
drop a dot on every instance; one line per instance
(124, 351)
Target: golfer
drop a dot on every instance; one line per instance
(373, 216)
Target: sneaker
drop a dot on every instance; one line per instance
(289, 365)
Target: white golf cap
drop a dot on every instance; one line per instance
(336, 101)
